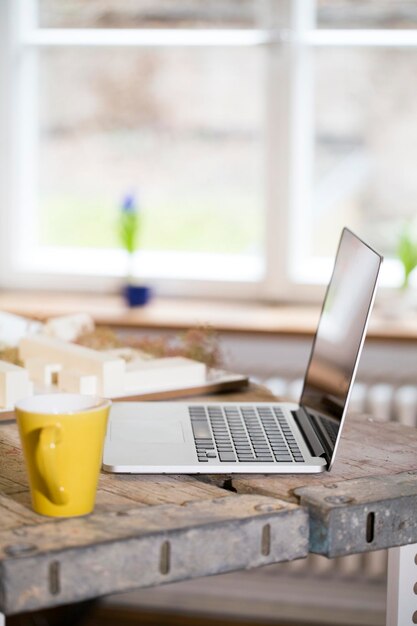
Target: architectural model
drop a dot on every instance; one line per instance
(77, 369)
(51, 363)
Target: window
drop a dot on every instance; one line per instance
(250, 131)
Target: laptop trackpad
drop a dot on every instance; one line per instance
(147, 431)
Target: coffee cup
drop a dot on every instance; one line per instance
(62, 436)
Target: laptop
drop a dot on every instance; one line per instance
(249, 437)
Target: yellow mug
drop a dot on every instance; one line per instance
(62, 436)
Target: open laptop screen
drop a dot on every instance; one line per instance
(341, 330)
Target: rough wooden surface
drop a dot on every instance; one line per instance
(147, 530)
(57, 562)
(366, 502)
(367, 448)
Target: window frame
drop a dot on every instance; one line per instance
(288, 34)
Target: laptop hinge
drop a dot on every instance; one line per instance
(310, 434)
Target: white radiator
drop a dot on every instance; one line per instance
(385, 402)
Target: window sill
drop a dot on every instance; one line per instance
(180, 314)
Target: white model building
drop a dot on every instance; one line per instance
(78, 369)
(68, 327)
(14, 385)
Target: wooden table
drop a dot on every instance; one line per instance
(149, 530)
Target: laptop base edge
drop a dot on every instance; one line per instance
(241, 468)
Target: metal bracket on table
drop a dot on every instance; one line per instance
(362, 514)
(69, 560)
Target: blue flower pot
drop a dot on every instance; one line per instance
(136, 295)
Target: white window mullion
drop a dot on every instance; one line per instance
(7, 104)
(302, 126)
(277, 139)
(289, 146)
(25, 124)
(18, 124)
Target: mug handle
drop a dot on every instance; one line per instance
(46, 460)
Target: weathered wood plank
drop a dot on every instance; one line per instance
(13, 514)
(9, 434)
(7, 416)
(362, 514)
(367, 448)
(105, 501)
(68, 560)
(8, 486)
(137, 489)
(11, 458)
(12, 466)
(152, 489)
(127, 544)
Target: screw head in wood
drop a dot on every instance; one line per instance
(267, 508)
(338, 499)
(20, 549)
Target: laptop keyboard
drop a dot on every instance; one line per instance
(331, 428)
(243, 434)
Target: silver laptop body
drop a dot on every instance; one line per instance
(283, 437)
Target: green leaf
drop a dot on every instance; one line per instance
(129, 230)
(407, 254)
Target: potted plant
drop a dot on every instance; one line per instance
(407, 254)
(129, 227)
(401, 302)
